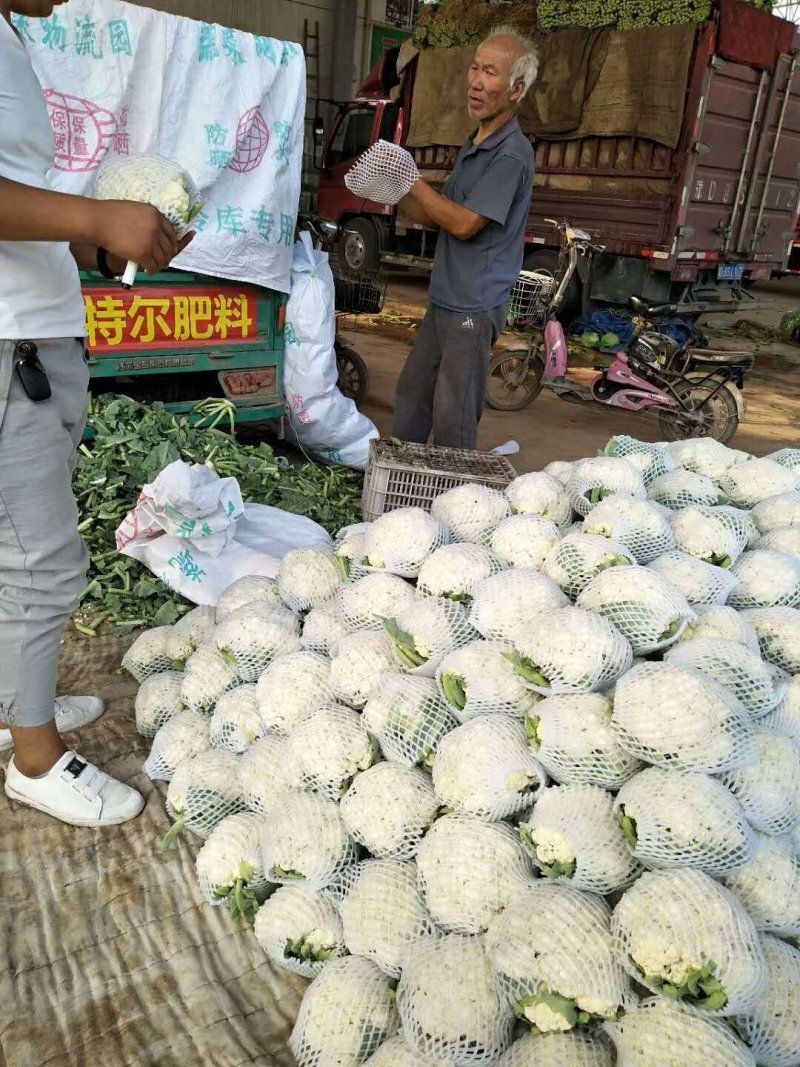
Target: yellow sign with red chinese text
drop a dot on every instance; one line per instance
(175, 317)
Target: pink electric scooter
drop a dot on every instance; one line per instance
(692, 391)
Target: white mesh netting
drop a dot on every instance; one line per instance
(636, 524)
(189, 633)
(644, 607)
(685, 936)
(650, 460)
(184, 736)
(785, 539)
(323, 629)
(573, 834)
(656, 1032)
(253, 588)
(384, 174)
(573, 1049)
(349, 549)
(745, 521)
(713, 535)
(572, 650)
(425, 631)
(291, 687)
(481, 678)
(486, 768)
(787, 457)
(305, 841)
(228, 866)
(307, 577)
(204, 790)
(553, 958)
(772, 1029)
(683, 489)
(396, 1052)
(579, 557)
(524, 541)
(766, 580)
(593, 480)
(769, 787)
(785, 719)
(705, 456)
(769, 886)
(148, 654)
(572, 738)
(683, 820)
(538, 493)
(347, 1013)
(366, 602)
(470, 511)
(560, 469)
(327, 749)
(383, 912)
(300, 929)
(679, 718)
(747, 484)
(253, 636)
(507, 604)
(157, 701)
(469, 870)
(699, 582)
(409, 718)
(777, 512)
(758, 685)
(207, 676)
(389, 808)
(778, 633)
(721, 622)
(262, 773)
(453, 571)
(235, 722)
(449, 1006)
(151, 179)
(360, 665)
(399, 541)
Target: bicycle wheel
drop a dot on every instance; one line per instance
(353, 374)
(515, 380)
(714, 416)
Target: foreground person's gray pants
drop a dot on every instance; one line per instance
(42, 557)
(442, 387)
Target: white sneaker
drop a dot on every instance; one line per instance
(70, 712)
(75, 792)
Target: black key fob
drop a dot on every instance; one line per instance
(31, 373)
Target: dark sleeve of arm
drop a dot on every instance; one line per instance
(493, 194)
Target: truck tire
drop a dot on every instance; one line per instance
(547, 259)
(359, 247)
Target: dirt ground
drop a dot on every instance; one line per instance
(556, 429)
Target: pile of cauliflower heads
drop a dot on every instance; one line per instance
(515, 781)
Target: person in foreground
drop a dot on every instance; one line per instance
(44, 237)
(481, 215)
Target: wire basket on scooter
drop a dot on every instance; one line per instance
(530, 299)
(361, 292)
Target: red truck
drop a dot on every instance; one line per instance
(715, 212)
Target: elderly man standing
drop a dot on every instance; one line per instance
(481, 216)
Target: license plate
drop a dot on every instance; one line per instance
(257, 381)
(730, 272)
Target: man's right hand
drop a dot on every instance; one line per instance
(137, 232)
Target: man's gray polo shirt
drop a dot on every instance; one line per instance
(494, 179)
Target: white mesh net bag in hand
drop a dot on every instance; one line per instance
(204, 790)
(326, 751)
(766, 580)
(470, 511)
(769, 787)
(570, 651)
(365, 603)
(184, 736)
(148, 654)
(572, 1049)
(769, 886)
(305, 841)
(481, 679)
(424, 632)
(758, 685)
(389, 808)
(778, 633)
(207, 676)
(262, 773)
(573, 835)
(777, 512)
(571, 736)
(593, 480)
(384, 174)
(469, 870)
(409, 718)
(540, 494)
(772, 1029)
(307, 577)
(636, 524)
(554, 961)
(713, 535)
(360, 665)
(486, 768)
(189, 633)
(235, 722)
(524, 541)
(721, 623)
(785, 718)
(683, 489)
(157, 701)
(347, 1013)
(253, 636)
(506, 604)
(252, 589)
(400, 541)
(678, 717)
(749, 483)
(579, 557)
(228, 866)
(699, 582)
(383, 912)
(686, 937)
(650, 460)
(784, 539)
(449, 1006)
(646, 608)
(683, 820)
(657, 1032)
(300, 929)
(291, 687)
(323, 629)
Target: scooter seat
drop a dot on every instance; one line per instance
(721, 357)
(644, 307)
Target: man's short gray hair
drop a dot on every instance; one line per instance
(526, 66)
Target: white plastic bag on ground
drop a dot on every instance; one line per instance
(325, 422)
